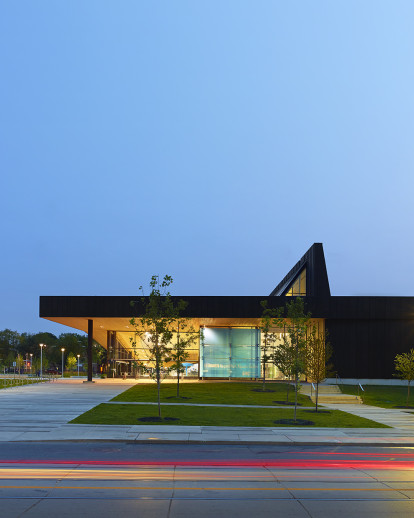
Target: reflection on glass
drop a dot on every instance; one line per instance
(230, 353)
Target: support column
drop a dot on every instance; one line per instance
(90, 339)
(112, 349)
(108, 352)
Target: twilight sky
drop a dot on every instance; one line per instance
(211, 140)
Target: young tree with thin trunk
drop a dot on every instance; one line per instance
(284, 359)
(71, 362)
(19, 363)
(155, 328)
(318, 354)
(295, 339)
(185, 337)
(404, 365)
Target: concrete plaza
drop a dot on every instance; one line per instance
(42, 412)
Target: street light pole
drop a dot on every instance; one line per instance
(41, 359)
(31, 363)
(78, 355)
(63, 351)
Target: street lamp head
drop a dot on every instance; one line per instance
(42, 345)
(78, 355)
(63, 349)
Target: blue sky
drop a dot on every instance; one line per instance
(213, 141)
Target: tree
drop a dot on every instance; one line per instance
(185, 336)
(10, 358)
(268, 337)
(19, 363)
(404, 365)
(99, 354)
(295, 339)
(30, 344)
(74, 343)
(318, 354)
(284, 359)
(36, 364)
(9, 343)
(71, 362)
(155, 327)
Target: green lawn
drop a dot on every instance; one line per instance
(384, 396)
(217, 416)
(228, 393)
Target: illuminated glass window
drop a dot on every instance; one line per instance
(298, 287)
(230, 353)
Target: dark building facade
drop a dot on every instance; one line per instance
(365, 332)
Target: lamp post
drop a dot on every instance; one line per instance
(63, 351)
(41, 359)
(78, 355)
(31, 363)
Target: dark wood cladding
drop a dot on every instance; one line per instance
(367, 348)
(339, 308)
(375, 308)
(118, 307)
(197, 306)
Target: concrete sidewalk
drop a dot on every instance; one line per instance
(41, 412)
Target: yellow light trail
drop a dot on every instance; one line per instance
(75, 473)
(146, 488)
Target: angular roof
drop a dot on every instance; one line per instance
(313, 263)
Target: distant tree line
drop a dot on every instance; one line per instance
(16, 349)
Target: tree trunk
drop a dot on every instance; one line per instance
(296, 394)
(408, 392)
(264, 376)
(178, 362)
(317, 395)
(287, 392)
(178, 383)
(158, 376)
(296, 377)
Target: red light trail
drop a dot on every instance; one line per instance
(390, 464)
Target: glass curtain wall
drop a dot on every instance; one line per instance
(298, 288)
(124, 358)
(230, 352)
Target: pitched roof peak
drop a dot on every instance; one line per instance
(314, 279)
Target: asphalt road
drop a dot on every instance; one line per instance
(171, 481)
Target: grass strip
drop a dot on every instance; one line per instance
(224, 416)
(15, 383)
(228, 393)
(384, 396)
